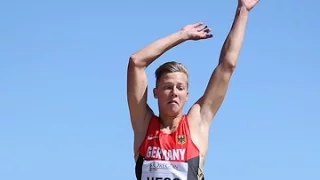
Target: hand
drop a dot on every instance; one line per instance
(196, 31)
(248, 4)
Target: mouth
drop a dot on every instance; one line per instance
(173, 102)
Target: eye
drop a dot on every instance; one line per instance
(167, 87)
(181, 88)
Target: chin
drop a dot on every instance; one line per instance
(173, 112)
(170, 110)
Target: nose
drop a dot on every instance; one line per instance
(174, 92)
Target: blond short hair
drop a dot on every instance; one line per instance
(170, 67)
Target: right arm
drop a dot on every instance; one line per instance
(140, 113)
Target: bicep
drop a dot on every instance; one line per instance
(137, 95)
(214, 94)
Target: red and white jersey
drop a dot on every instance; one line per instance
(168, 156)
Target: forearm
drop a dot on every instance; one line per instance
(232, 45)
(148, 54)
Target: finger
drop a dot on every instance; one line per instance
(207, 30)
(209, 35)
(206, 36)
(197, 24)
(202, 27)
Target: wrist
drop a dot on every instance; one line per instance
(242, 12)
(184, 36)
(242, 9)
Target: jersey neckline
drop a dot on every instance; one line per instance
(183, 118)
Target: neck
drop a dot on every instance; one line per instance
(169, 122)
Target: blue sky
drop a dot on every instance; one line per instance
(63, 111)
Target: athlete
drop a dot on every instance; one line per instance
(173, 145)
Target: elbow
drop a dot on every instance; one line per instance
(135, 61)
(229, 62)
(229, 66)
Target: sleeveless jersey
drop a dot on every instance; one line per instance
(168, 156)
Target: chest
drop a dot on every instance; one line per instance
(170, 147)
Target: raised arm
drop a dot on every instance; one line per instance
(140, 113)
(139, 61)
(217, 87)
(137, 79)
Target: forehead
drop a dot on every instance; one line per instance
(175, 77)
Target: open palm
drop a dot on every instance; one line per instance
(249, 4)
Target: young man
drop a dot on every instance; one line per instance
(172, 146)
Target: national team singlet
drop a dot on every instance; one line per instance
(168, 156)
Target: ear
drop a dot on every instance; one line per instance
(187, 96)
(155, 93)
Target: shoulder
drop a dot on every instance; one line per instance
(194, 116)
(197, 126)
(152, 119)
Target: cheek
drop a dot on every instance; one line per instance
(183, 95)
(163, 94)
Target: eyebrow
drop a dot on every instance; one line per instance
(170, 83)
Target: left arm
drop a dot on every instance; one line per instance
(215, 92)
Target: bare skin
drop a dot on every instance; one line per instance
(172, 90)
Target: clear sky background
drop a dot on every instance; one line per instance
(63, 108)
